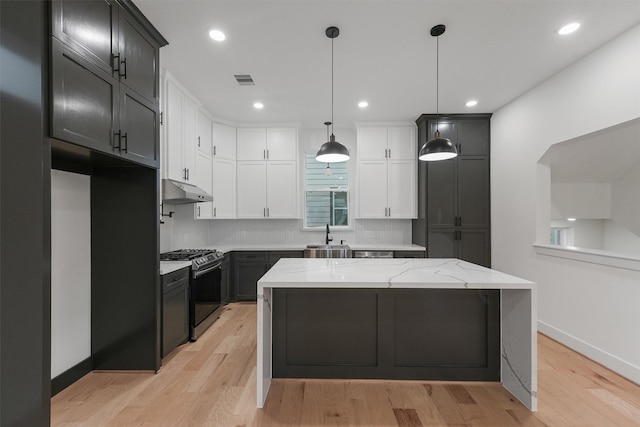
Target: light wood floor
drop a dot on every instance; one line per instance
(212, 383)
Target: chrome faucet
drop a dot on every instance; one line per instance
(327, 238)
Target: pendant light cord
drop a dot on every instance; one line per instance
(332, 86)
(437, 83)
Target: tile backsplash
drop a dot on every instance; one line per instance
(182, 231)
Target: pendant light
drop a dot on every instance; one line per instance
(332, 151)
(437, 148)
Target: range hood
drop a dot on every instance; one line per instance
(179, 193)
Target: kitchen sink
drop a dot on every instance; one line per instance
(327, 251)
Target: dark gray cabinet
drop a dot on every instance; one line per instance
(175, 309)
(409, 254)
(225, 276)
(250, 266)
(454, 213)
(104, 79)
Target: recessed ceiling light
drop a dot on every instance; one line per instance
(569, 28)
(258, 105)
(471, 103)
(217, 35)
(363, 104)
(571, 219)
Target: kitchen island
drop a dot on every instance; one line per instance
(375, 305)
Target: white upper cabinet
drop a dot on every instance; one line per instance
(204, 180)
(224, 141)
(267, 144)
(375, 143)
(179, 132)
(387, 172)
(224, 188)
(204, 138)
(267, 173)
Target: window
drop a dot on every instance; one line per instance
(326, 193)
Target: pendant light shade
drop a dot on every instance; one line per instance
(332, 151)
(437, 148)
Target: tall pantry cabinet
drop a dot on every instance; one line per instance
(453, 195)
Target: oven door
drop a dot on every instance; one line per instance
(205, 302)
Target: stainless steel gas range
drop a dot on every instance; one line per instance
(205, 296)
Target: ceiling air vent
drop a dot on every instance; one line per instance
(244, 79)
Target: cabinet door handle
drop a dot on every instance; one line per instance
(459, 148)
(389, 152)
(215, 211)
(115, 65)
(124, 67)
(264, 212)
(186, 175)
(267, 212)
(198, 141)
(264, 154)
(117, 137)
(389, 211)
(198, 211)
(267, 154)
(214, 150)
(126, 142)
(459, 221)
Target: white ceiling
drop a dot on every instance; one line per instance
(493, 51)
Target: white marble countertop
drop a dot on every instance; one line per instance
(302, 246)
(386, 273)
(167, 267)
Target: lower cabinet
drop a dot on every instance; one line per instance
(225, 292)
(250, 266)
(175, 309)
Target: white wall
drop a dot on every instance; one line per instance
(626, 198)
(590, 307)
(70, 270)
(580, 200)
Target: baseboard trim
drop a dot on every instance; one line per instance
(608, 360)
(71, 375)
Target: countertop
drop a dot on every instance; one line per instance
(439, 273)
(167, 267)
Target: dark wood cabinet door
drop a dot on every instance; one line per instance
(225, 295)
(88, 28)
(139, 131)
(175, 318)
(84, 97)
(442, 244)
(138, 62)
(473, 137)
(248, 268)
(473, 246)
(441, 194)
(246, 276)
(473, 191)
(274, 256)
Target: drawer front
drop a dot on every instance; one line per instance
(256, 256)
(175, 279)
(274, 256)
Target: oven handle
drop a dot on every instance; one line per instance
(199, 273)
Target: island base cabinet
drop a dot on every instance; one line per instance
(426, 334)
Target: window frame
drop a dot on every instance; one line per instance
(332, 189)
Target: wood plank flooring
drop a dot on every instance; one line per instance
(212, 383)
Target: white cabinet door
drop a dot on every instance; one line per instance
(282, 190)
(401, 189)
(402, 143)
(372, 143)
(372, 188)
(282, 143)
(203, 179)
(224, 141)
(251, 187)
(173, 100)
(189, 112)
(224, 188)
(204, 133)
(251, 144)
